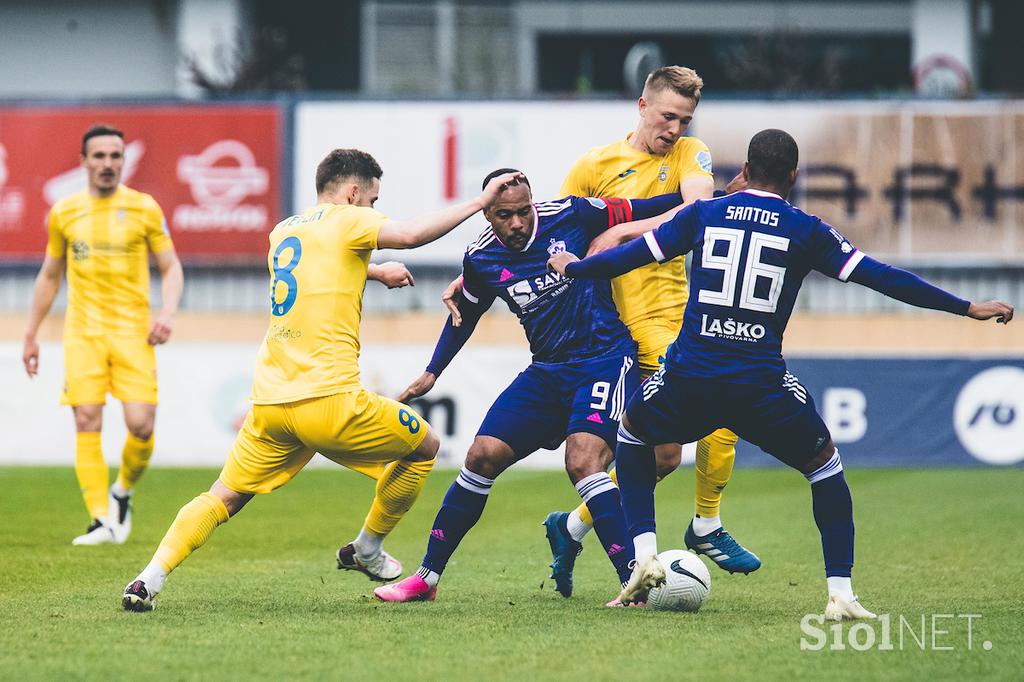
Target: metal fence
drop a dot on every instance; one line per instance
(245, 289)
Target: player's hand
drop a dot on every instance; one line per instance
(451, 297)
(161, 330)
(608, 239)
(737, 184)
(30, 356)
(1003, 312)
(558, 261)
(421, 386)
(394, 275)
(498, 185)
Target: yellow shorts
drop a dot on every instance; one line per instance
(359, 430)
(96, 365)
(653, 337)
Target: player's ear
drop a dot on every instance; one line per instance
(352, 193)
(746, 171)
(793, 175)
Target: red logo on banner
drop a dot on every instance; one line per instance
(214, 170)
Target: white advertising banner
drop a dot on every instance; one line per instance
(203, 400)
(437, 153)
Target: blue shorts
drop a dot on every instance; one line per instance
(547, 402)
(781, 420)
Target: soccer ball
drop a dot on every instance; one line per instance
(687, 582)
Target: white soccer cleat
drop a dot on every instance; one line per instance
(119, 516)
(98, 534)
(840, 609)
(645, 577)
(138, 597)
(383, 568)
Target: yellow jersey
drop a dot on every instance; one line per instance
(106, 242)
(318, 262)
(655, 291)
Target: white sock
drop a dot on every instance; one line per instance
(153, 575)
(703, 525)
(117, 490)
(577, 529)
(367, 545)
(840, 587)
(645, 545)
(429, 577)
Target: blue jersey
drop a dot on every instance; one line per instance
(565, 319)
(751, 252)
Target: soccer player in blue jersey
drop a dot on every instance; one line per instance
(584, 367)
(751, 252)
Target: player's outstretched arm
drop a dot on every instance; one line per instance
(451, 341)
(608, 264)
(172, 283)
(45, 290)
(620, 234)
(1002, 311)
(392, 274)
(905, 286)
(408, 234)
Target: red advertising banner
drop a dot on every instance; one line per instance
(215, 170)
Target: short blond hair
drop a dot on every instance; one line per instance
(680, 79)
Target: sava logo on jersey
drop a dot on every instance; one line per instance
(527, 292)
(731, 329)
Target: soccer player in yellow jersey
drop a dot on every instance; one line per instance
(102, 237)
(655, 159)
(306, 394)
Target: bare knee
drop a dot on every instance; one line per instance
(88, 418)
(489, 456)
(141, 430)
(232, 500)
(426, 450)
(585, 455)
(667, 458)
(140, 418)
(821, 459)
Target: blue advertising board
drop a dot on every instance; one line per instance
(948, 411)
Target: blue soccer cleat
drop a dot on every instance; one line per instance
(720, 547)
(564, 551)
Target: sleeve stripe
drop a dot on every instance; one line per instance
(469, 297)
(855, 258)
(652, 244)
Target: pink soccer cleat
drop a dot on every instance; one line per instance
(413, 588)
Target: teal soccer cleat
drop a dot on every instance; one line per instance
(721, 548)
(564, 551)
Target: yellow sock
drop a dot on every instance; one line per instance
(92, 473)
(190, 530)
(134, 461)
(716, 455)
(397, 490)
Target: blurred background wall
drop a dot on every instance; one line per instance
(908, 114)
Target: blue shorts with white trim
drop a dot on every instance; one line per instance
(549, 401)
(781, 420)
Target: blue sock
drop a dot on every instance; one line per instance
(637, 474)
(461, 509)
(833, 512)
(602, 499)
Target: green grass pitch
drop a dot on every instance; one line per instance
(264, 600)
